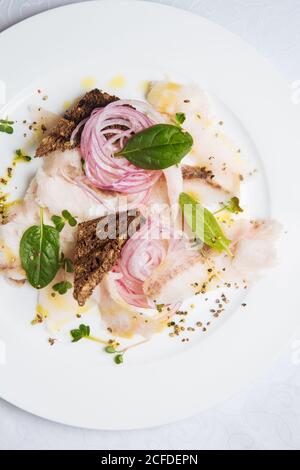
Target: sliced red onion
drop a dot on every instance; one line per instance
(143, 252)
(100, 140)
(144, 107)
(76, 130)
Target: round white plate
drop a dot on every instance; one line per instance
(68, 49)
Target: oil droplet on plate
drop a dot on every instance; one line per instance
(225, 219)
(117, 82)
(66, 105)
(88, 82)
(9, 255)
(144, 86)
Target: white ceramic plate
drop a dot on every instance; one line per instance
(164, 380)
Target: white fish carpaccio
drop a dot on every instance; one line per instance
(50, 191)
(53, 188)
(20, 217)
(254, 250)
(174, 183)
(126, 320)
(181, 276)
(59, 187)
(177, 277)
(58, 310)
(169, 98)
(56, 187)
(212, 150)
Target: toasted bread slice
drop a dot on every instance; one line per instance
(59, 136)
(95, 254)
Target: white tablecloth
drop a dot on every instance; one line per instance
(265, 416)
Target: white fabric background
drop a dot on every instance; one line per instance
(267, 415)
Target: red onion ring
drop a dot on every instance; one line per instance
(104, 170)
(142, 253)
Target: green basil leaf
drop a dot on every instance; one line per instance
(39, 253)
(157, 147)
(203, 223)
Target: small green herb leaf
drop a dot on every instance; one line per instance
(5, 121)
(82, 332)
(72, 222)
(62, 259)
(21, 157)
(203, 223)
(62, 287)
(160, 307)
(180, 118)
(232, 206)
(119, 359)
(69, 218)
(58, 222)
(157, 147)
(83, 165)
(68, 265)
(39, 254)
(85, 330)
(76, 335)
(6, 126)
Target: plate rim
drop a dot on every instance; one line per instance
(88, 423)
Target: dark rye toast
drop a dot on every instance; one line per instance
(96, 255)
(59, 136)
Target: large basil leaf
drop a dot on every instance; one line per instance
(39, 253)
(157, 147)
(203, 223)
